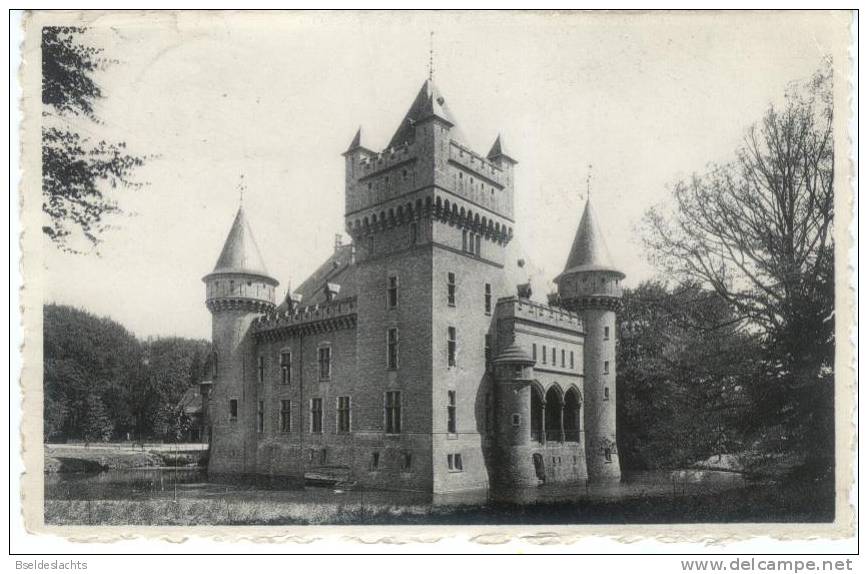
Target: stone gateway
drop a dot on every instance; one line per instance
(414, 357)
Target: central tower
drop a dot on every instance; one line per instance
(430, 219)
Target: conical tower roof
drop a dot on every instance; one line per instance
(589, 251)
(240, 252)
(498, 149)
(429, 103)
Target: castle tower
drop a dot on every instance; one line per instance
(238, 290)
(591, 286)
(514, 375)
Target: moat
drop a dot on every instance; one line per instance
(189, 497)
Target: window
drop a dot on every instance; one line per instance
(285, 416)
(316, 415)
(260, 416)
(325, 363)
(605, 393)
(392, 292)
(544, 354)
(533, 348)
(572, 360)
(554, 357)
(323, 456)
(343, 414)
(285, 367)
(605, 367)
(464, 240)
(487, 350)
(407, 461)
(451, 346)
(450, 412)
(563, 358)
(450, 289)
(607, 454)
(478, 250)
(233, 409)
(393, 412)
(605, 333)
(215, 370)
(375, 460)
(260, 368)
(516, 420)
(414, 233)
(371, 245)
(488, 298)
(454, 462)
(392, 348)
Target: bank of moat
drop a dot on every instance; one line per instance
(414, 357)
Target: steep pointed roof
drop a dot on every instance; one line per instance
(429, 103)
(498, 149)
(589, 251)
(240, 253)
(357, 141)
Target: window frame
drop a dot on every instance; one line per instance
(392, 423)
(347, 411)
(451, 289)
(260, 416)
(392, 348)
(451, 346)
(451, 412)
(488, 298)
(233, 406)
(285, 416)
(327, 349)
(392, 294)
(316, 418)
(285, 367)
(260, 369)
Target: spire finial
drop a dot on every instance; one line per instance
(431, 58)
(241, 188)
(589, 181)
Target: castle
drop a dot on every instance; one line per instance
(414, 358)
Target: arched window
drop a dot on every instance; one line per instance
(554, 410)
(572, 411)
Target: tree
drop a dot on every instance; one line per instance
(758, 230)
(97, 425)
(76, 169)
(684, 366)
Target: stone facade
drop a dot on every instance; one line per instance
(411, 359)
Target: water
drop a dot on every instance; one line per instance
(172, 484)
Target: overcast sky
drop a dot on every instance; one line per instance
(646, 99)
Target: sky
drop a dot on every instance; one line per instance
(647, 99)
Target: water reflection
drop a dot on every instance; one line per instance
(142, 484)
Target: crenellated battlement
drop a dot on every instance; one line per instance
(338, 314)
(526, 309)
(476, 163)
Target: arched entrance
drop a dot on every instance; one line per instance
(572, 413)
(554, 415)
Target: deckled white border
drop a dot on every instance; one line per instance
(710, 535)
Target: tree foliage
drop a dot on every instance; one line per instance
(97, 371)
(684, 366)
(758, 230)
(75, 168)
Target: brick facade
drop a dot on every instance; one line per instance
(394, 369)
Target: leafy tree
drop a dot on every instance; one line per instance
(75, 169)
(684, 366)
(758, 230)
(97, 424)
(137, 385)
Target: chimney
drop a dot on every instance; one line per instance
(331, 291)
(339, 240)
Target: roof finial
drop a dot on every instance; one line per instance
(241, 189)
(431, 58)
(589, 181)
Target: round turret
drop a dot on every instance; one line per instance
(239, 279)
(591, 286)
